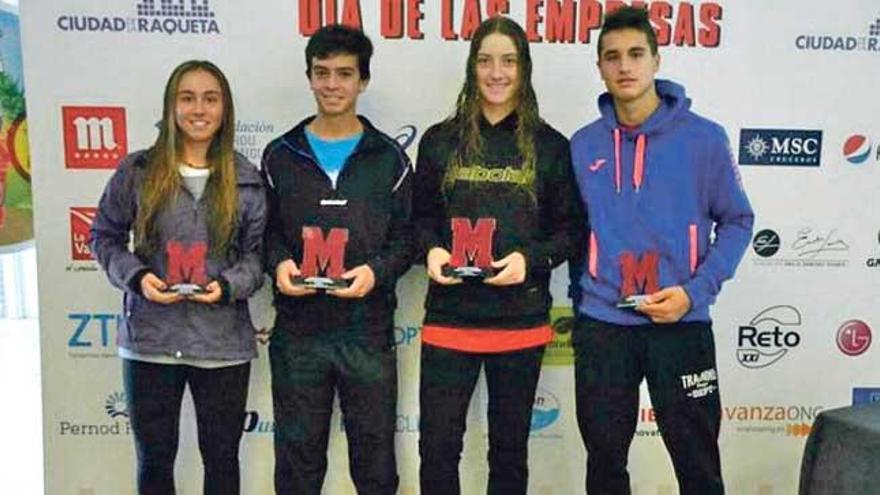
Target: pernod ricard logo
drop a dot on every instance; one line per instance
(780, 147)
(150, 16)
(866, 41)
(116, 405)
(116, 424)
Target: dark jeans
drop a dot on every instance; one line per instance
(306, 372)
(678, 362)
(154, 393)
(448, 378)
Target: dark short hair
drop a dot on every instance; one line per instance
(629, 18)
(338, 39)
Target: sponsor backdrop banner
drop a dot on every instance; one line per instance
(794, 86)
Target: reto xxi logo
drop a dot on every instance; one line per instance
(768, 336)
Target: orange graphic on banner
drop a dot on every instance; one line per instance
(798, 429)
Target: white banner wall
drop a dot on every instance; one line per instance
(794, 84)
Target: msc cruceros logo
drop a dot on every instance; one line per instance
(780, 147)
(94, 137)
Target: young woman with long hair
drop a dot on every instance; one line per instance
(494, 188)
(197, 211)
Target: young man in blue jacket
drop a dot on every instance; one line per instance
(339, 208)
(657, 180)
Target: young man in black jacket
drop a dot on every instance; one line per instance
(339, 207)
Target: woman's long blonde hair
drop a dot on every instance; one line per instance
(162, 180)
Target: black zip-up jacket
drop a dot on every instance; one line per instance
(546, 227)
(372, 200)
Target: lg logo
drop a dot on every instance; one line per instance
(854, 338)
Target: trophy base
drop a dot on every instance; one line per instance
(187, 289)
(630, 302)
(465, 272)
(320, 283)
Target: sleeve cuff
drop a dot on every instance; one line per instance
(225, 290)
(698, 291)
(134, 284)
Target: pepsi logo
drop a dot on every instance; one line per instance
(857, 149)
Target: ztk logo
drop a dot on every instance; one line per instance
(93, 329)
(768, 337)
(94, 137)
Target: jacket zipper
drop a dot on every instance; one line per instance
(317, 166)
(594, 255)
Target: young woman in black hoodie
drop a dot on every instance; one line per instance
(493, 189)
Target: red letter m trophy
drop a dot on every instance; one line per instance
(323, 255)
(186, 267)
(638, 277)
(471, 248)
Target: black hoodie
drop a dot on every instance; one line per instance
(543, 224)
